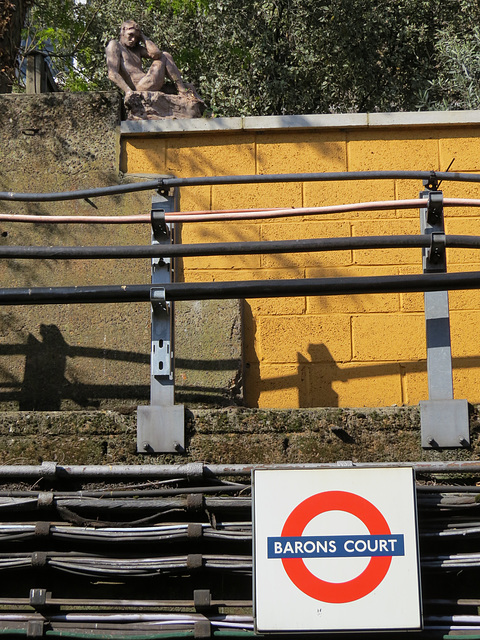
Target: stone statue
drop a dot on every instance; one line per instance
(143, 95)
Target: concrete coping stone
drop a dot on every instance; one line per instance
(299, 122)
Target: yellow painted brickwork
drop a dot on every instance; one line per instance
(338, 350)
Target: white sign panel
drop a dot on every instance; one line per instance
(335, 550)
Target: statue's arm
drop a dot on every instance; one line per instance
(113, 56)
(150, 49)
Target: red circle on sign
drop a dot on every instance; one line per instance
(336, 592)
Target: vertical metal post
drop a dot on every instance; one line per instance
(160, 426)
(39, 78)
(34, 78)
(444, 421)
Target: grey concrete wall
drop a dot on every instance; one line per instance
(90, 356)
(233, 435)
(95, 358)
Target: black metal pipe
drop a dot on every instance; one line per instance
(322, 177)
(81, 194)
(243, 289)
(218, 248)
(68, 295)
(248, 179)
(463, 242)
(322, 286)
(233, 248)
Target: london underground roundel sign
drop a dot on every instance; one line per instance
(377, 567)
(357, 526)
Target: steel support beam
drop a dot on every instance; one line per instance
(444, 421)
(160, 426)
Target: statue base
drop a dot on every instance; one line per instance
(158, 105)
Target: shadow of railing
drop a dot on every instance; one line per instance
(46, 385)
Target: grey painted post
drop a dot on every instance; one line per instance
(160, 426)
(39, 78)
(444, 421)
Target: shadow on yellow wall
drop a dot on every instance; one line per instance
(343, 350)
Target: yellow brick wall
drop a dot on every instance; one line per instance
(338, 350)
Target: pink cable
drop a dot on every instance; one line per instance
(202, 216)
(240, 214)
(283, 213)
(460, 202)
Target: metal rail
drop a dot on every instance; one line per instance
(438, 511)
(431, 178)
(229, 248)
(437, 414)
(197, 470)
(242, 289)
(235, 248)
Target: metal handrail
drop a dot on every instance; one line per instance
(235, 248)
(430, 177)
(242, 289)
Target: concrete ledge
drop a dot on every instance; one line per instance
(424, 118)
(314, 121)
(233, 435)
(185, 125)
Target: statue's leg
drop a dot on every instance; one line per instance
(155, 77)
(173, 73)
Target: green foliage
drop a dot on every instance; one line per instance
(261, 57)
(457, 83)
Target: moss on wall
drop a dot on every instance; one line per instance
(231, 435)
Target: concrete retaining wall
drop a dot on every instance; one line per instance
(91, 356)
(228, 436)
(342, 350)
(298, 352)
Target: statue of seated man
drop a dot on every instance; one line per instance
(124, 62)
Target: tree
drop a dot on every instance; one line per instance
(12, 18)
(261, 57)
(457, 82)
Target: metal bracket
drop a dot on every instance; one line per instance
(160, 232)
(158, 298)
(435, 208)
(165, 191)
(432, 182)
(431, 223)
(157, 217)
(38, 598)
(202, 629)
(444, 421)
(35, 628)
(436, 255)
(161, 358)
(160, 426)
(161, 353)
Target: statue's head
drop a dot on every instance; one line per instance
(130, 33)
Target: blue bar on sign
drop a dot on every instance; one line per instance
(335, 546)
